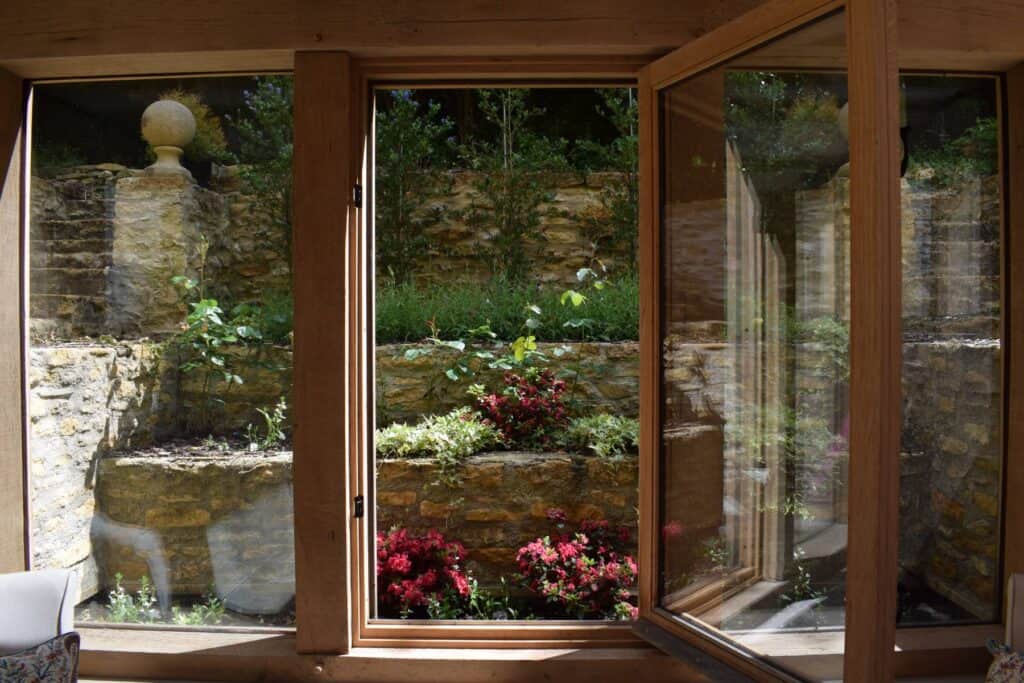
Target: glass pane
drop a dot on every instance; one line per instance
(951, 464)
(755, 326)
(506, 357)
(160, 348)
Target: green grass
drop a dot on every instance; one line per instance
(403, 312)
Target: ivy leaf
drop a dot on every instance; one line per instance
(532, 323)
(451, 374)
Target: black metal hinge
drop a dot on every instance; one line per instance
(358, 507)
(357, 195)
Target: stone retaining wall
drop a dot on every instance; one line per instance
(602, 377)
(86, 401)
(189, 522)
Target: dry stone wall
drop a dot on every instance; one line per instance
(601, 377)
(198, 521)
(84, 402)
(72, 218)
(458, 251)
(189, 522)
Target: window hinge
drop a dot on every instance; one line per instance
(357, 195)
(358, 507)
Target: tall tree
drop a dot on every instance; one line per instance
(515, 179)
(410, 181)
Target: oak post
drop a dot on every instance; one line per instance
(875, 340)
(13, 518)
(323, 217)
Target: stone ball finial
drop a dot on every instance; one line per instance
(168, 126)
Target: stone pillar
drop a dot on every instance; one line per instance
(156, 237)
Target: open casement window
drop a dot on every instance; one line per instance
(759, 219)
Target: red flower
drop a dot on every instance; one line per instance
(586, 574)
(414, 571)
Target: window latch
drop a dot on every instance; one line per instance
(358, 507)
(357, 195)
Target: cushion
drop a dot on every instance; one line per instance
(1007, 665)
(55, 661)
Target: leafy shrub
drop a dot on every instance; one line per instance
(417, 572)
(449, 438)
(975, 154)
(615, 225)
(403, 312)
(141, 608)
(264, 132)
(585, 574)
(272, 316)
(529, 412)
(517, 176)
(125, 608)
(410, 185)
(606, 436)
(273, 427)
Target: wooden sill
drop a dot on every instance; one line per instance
(126, 654)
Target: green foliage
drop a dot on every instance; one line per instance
(516, 178)
(801, 582)
(832, 336)
(209, 144)
(478, 605)
(125, 608)
(141, 608)
(273, 428)
(448, 438)
(209, 612)
(615, 226)
(975, 154)
(606, 436)
(272, 317)
(48, 155)
(264, 130)
(404, 312)
(409, 183)
(785, 128)
(205, 337)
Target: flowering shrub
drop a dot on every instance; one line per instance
(420, 574)
(606, 436)
(585, 574)
(530, 411)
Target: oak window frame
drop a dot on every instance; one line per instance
(325, 524)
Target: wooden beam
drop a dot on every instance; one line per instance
(323, 216)
(875, 341)
(74, 28)
(12, 420)
(1013, 238)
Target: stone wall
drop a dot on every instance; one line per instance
(950, 470)
(70, 236)
(106, 241)
(457, 251)
(250, 252)
(190, 522)
(196, 521)
(607, 379)
(86, 401)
